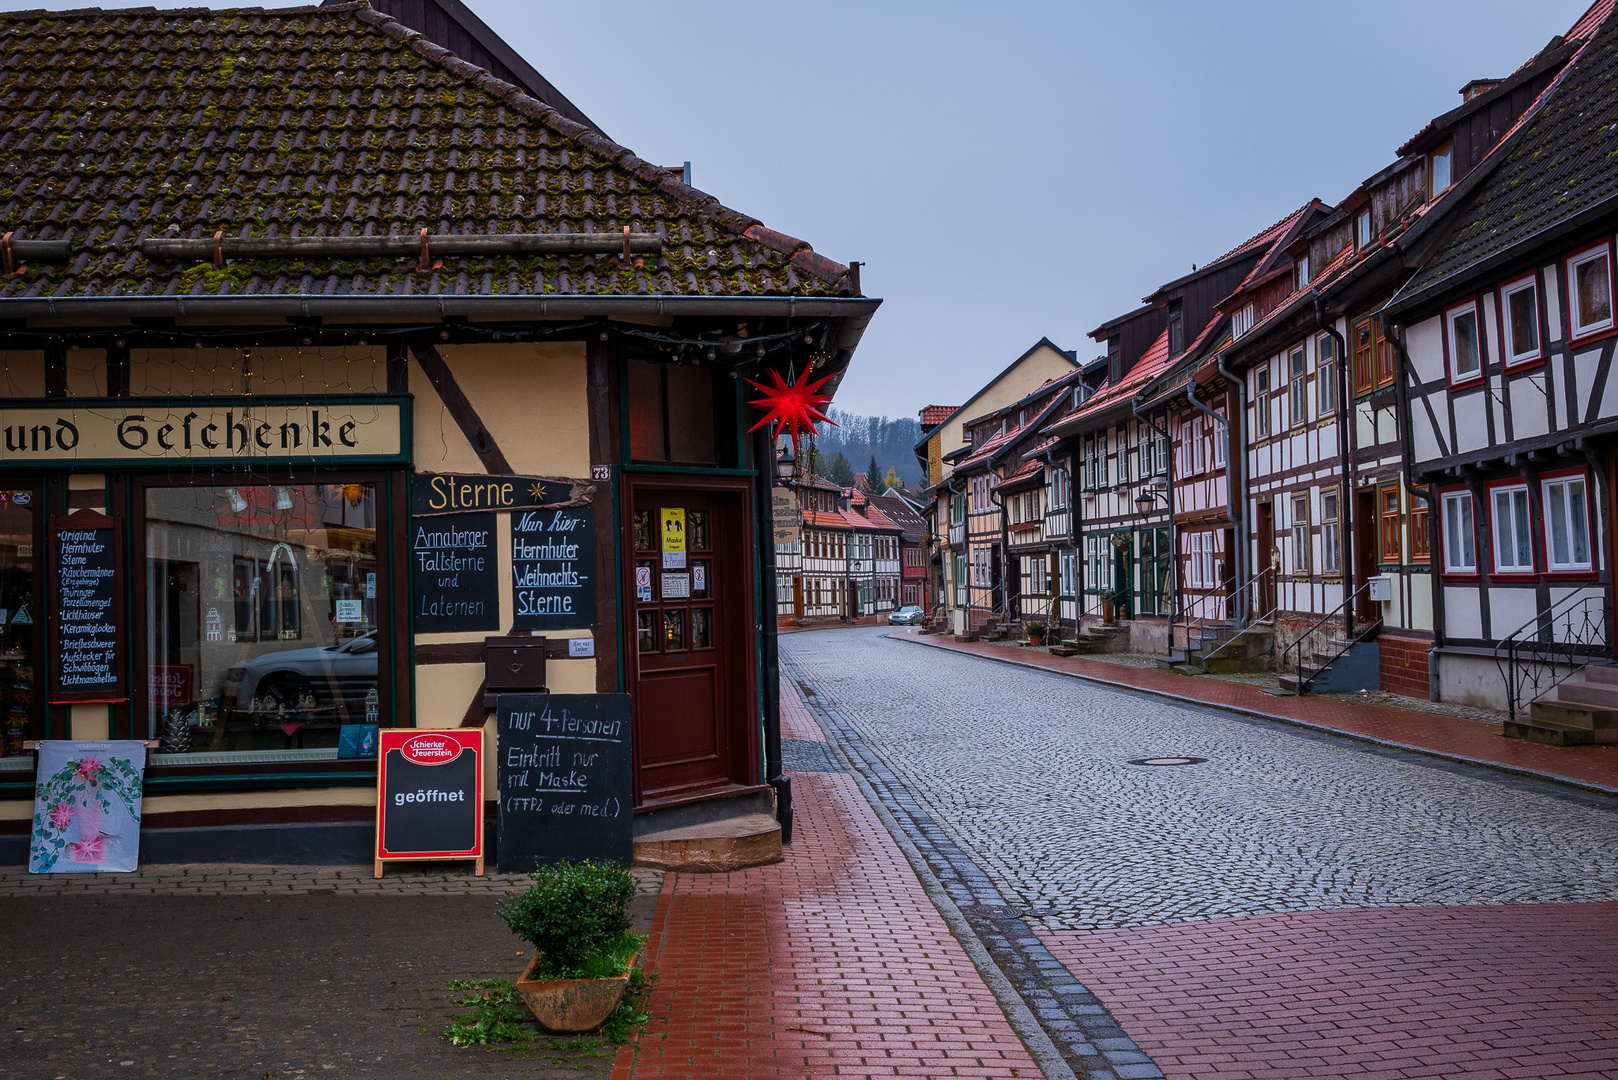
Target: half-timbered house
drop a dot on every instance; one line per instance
(913, 560)
(824, 585)
(1506, 337)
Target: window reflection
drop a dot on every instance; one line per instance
(262, 622)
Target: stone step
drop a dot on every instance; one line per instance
(1589, 693)
(1576, 714)
(1549, 733)
(712, 847)
(1601, 673)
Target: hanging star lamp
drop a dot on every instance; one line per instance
(791, 407)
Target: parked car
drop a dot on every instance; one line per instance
(328, 675)
(909, 615)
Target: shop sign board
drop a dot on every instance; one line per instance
(553, 572)
(456, 563)
(429, 795)
(564, 779)
(88, 629)
(204, 430)
(788, 517)
(467, 493)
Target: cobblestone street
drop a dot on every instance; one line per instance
(1297, 904)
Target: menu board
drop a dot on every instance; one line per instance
(564, 777)
(87, 657)
(553, 571)
(456, 568)
(430, 795)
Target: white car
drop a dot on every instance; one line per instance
(328, 674)
(909, 615)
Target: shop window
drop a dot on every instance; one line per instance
(1392, 521)
(1511, 523)
(262, 632)
(1326, 374)
(1589, 278)
(1461, 330)
(1567, 524)
(1460, 534)
(1519, 304)
(671, 412)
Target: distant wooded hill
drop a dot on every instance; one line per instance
(859, 438)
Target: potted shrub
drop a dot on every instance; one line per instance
(1036, 633)
(576, 916)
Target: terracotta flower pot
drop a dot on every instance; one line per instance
(1036, 640)
(569, 1006)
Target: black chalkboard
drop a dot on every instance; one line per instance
(455, 564)
(87, 648)
(553, 575)
(564, 775)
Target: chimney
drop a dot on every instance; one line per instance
(1476, 87)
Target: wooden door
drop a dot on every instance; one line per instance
(1366, 567)
(691, 639)
(1266, 559)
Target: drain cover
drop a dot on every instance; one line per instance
(993, 911)
(1168, 761)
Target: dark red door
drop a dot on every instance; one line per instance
(692, 640)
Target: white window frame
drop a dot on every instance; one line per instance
(1447, 156)
(1219, 461)
(1577, 327)
(1454, 314)
(1576, 523)
(1509, 531)
(1362, 230)
(1460, 532)
(1303, 270)
(1298, 385)
(1059, 484)
(1242, 321)
(1199, 446)
(1261, 401)
(1300, 534)
(1103, 452)
(1529, 285)
(1326, 375)
(1331, 552)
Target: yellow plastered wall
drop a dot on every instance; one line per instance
(311, 371)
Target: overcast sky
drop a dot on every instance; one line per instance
(1013, 170)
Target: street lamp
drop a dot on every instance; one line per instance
(785, 465)
(1148, 499)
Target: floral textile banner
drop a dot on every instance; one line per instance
(87, 807)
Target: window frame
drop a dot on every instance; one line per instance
(1447, 152)
(1510, 360)
(1382, 522)
(1576, 333)
(1418, 550)
(1458, 380)
(1298, 385)
(1331, 551)
(1302, 276)
(1364, 236)
(1559, 477)
(1262, 420)
(1447, 496)
(1495, 488)
(1302, 534)
(1326, 377)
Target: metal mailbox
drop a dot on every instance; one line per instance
(513, 665)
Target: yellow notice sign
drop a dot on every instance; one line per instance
(674, 537)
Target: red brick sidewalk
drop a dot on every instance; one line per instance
(833, 963)
(1478, 992)
(1417, 730)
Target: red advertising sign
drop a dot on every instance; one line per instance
(168, 684)
(429, 795)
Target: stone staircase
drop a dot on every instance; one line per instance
(1003, 630)
(1097, 639)
(1254, 652)
(1574, 713)
(1345, 665)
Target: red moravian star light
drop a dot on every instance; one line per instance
(792, 407)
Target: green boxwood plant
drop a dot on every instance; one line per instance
(576, 916)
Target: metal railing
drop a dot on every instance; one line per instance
(1551, 648)
(1370, 630)
(1237, 604)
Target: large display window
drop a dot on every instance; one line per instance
(266, 633)
(21, 674)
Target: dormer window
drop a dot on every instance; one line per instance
(1241, 322)
(1303, 271)
(1176, 329)
(1439, 169)
(1362, 230)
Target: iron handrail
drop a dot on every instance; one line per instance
(1371, 627)
(1545, 657)
(1247, 627)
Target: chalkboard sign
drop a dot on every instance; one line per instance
(87, 645)
(429, 795)
(564, 779)
(461, 493)
(553, 569)
(457, 573)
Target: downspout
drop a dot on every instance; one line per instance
(1237, 437)
(1346, 514)
(1396, 334)
(1241, 563)
(1135, 404)
(769, 642)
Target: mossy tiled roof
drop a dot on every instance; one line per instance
(125, 124)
